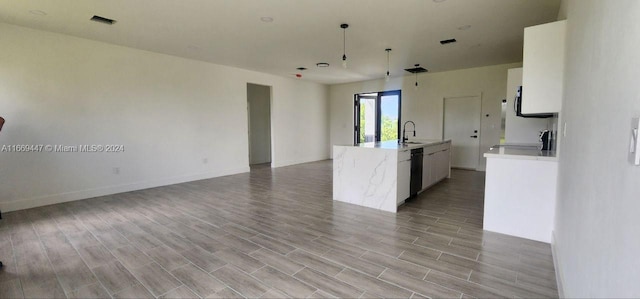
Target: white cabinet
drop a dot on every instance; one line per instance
(436, 164)
(442, 164)
(520, 129)
(520, 197)
(543, 68)
(404, 179)
(427, 162)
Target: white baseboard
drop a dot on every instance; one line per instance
(46, 200)
(556, 265)
(297, 161)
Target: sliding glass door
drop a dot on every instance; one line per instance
(377, 116)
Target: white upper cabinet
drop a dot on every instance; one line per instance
(543, 68)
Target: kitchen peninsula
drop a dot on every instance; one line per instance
(378, 174)
(520, 191)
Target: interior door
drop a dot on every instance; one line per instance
(462, 126)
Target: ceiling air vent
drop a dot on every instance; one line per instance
(103, 20)
(416, 70)
(448, 41)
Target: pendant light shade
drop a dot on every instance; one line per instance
(388, 75)
(344, 44)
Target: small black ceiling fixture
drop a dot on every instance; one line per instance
(448, 41)
(416, 70)
(103, 20)
(302, 68)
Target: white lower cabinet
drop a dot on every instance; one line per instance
(404, 180)
(520, 197)
(442, 164)
(427, 162)
(436, 164)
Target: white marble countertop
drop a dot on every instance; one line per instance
(522, 152)
(394, 145)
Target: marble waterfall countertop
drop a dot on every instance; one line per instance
(394, 145)
(370, 174)
(522, 152)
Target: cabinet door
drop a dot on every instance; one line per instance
(444, 164)
(543, 67)
(440, 169)
(404, 180)
(427, 165)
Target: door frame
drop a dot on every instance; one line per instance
(356, 113)
(479, 95)
(271, 131)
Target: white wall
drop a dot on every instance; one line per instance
(170, 114)
(597, 229)
(259, 101)
(425, 106)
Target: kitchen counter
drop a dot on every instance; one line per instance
(526, 152)
(520, 191)
(378, 174)
(394, 145)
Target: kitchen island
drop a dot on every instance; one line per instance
(520, 191)
(378, 174)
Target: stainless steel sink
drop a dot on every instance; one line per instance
(412, 142)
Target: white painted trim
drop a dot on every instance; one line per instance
(89, 193)
(556, 265)
(298, 161)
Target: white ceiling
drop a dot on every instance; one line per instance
(303, 32)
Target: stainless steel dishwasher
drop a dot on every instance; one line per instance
(416, 171)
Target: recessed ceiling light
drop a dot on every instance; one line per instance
(322, 64)
(37, 12)
(302, 68)
(266, 19)
(465, 27)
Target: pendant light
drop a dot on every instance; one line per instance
(415, 70)
(386, 78)
(344, 44)
(416, 66)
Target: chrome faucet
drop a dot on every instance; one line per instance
(404, 129)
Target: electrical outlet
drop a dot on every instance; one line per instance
(116, 170)
(564, 130)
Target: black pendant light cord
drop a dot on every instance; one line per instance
(388, 53)
(344, 41)
(344, 44)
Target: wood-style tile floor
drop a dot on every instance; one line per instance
(268, 233)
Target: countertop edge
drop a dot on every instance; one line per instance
(399, 148)
(520, 157)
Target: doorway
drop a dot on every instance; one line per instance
(259, 116)
(377, 116)
(462, 126)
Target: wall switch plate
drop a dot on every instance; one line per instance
(634, 143)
